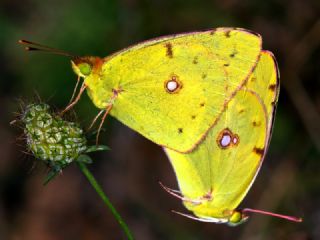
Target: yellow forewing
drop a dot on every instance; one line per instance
(219, 176)
(209, 67)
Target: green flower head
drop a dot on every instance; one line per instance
(50, 138)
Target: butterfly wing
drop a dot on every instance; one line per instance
(220, 171)
(265, 82)
(209, 68)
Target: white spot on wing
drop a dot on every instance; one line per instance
(172, 86)
(225, 140)
(235, 140)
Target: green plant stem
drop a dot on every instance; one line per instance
(105, 199)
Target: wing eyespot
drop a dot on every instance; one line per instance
(227, 139)
(173, 85)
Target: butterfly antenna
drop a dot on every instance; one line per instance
(290, 218)
(33, 46)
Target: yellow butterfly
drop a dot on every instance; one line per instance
(171, 89)
(217, 175)
(191, 93)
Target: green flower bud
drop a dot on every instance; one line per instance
(50, 138)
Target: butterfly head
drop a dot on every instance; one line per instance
(85, 66)
(237, 217)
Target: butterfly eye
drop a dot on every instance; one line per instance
(85, 68)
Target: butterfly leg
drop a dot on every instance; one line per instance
(96, 118)
(74, 90)
(177, 194)
(83, 87)
(202, 219)
(108, 109)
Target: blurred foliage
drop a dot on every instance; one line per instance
(67, 208)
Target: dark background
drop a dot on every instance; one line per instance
(68, 208)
